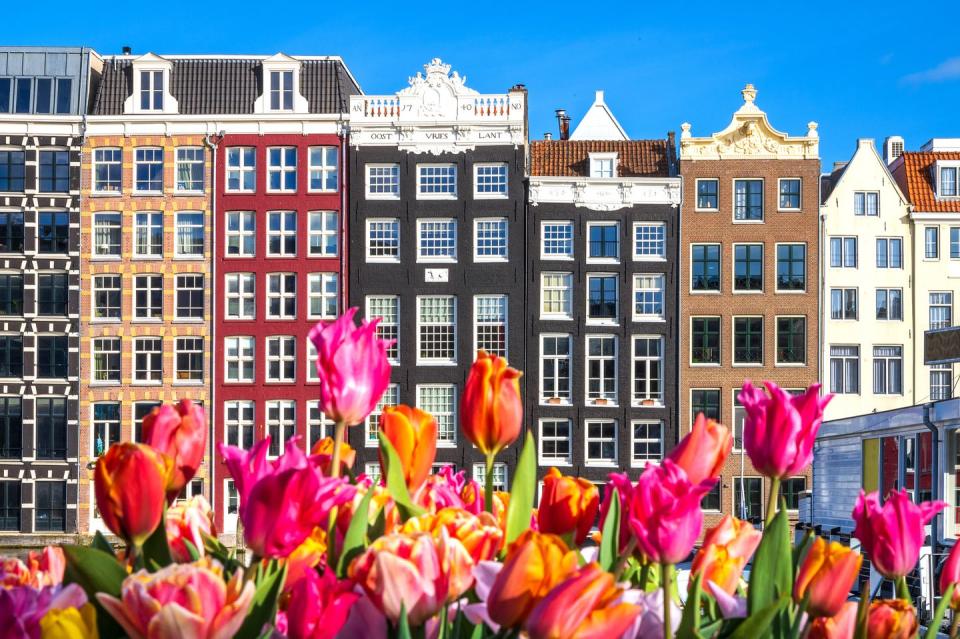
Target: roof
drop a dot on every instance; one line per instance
(916, 178)
(570, 158)
(227, 85)
(828, 181)
(599, 123)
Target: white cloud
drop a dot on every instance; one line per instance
(947, 70)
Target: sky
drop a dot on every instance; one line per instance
(858, 69)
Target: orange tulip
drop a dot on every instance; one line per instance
(568, 505)
(535, 563)
(130, 483)
(702, 452)
(324, 449)
(826, 575)
(840, 626)
(583, 606)
(491, 410)
(891, 619)
(480, 534)
(726, 550)
(413, 434)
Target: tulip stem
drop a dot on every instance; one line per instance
(772, 501)
(488, 484)
(339, 430)
(954, 624)
(624, 558)
(903, 592)
(667, 583)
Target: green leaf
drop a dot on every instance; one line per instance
(96, 571)
(610, 536)
(403, 624)
(355, 540)
(156, 550)
(863, 611)
(100, 543)
(521, 497)
(192, 550)
(396, 484)
(772, 570)
(934, 626)
(263, 610)
(690, 621)
(759, 624)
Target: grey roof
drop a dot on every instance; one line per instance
(225, 86)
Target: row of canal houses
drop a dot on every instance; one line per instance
(173, 225)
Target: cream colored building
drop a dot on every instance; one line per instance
(869, 345)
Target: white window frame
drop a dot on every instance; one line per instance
(285, 408)
(763, 341)
(501, 300)
(598, 166)
(243, 232)
(639, 400)
(394, 178)
(763, 269)
(843, 251)
(96, 347)
(501, 224)
(780, 182)
(601, 400)
(662, 290)
(283, 357)
(437, 361)
(178, 287)
(137, 162)
(100, 221)
(96, 288)
(543, 240)
(283, 234)
(317, 289)
(191, 163)
(862, 197)
(109, 426)
(888, 245)
(445, 259)
(149, 226)
(440, 416)
(938, 175)
(545, 460)
(389, 326)
(244, 297)
(501, 478)
(379, 222)
(927, 244)
(662, 242)
(241, 169)
(316, 419)
(603, 260)
(421, 195)
(696, 194)
(283, 169)
(763, 200)
(177, 252)
(634, 440)
(566, 295)
(180, 346)
(311, 365)
(149, 289)
(94, 184)
(477, 194)
(324, 169)
(240, 423)
(588, 461)
(245, 348)
(136, 350)
(568, 399)
(603, 321)
(323, 233)
(282, 294)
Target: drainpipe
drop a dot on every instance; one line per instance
(934, 495)
(212, 142)
(343, 302)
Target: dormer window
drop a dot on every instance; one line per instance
(151, 87)
(281, 90)
(948, 181)
(281, 86)
(603, 165)
(151, 90)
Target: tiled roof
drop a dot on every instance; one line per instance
(570, 158)
(917, 180)
(224, 86)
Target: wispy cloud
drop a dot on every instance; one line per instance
(947, 70)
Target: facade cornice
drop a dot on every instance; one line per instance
(250, 124)
(935, 216)
(604, 194)
(39, 125)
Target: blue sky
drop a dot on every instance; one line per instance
(859, 69)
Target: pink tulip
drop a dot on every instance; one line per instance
(44, 568)
(181, 600)
(950, 574)
(352, 366)
(180, 432)
(283, 500)
(22, 608)
(892, 534)
(620, 481)
(191, 520)
(780, 428)
(665, 515)
(319, 606)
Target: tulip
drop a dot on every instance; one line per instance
(189, 521)
(41, 569)
(665, 514)
(568, 506)
(826, 576)
(950, 574)
(702, 452)
(413, 434)
(840, 626)
(480, 534)
(70, 623)
(282, 501)
(892, 534)
(491, 410)
(179, 432)
(726, 550)
(534, 564)
(624, 487)
(181, 600)
(319, 606)
(584, 606)
(323, 450)
(130, 482)
(23, 608)
(892, 619)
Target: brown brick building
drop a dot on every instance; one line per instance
(749, 291)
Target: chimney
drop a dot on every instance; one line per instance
(838, 165)
(127, 51)
(563, 120)
(548, 136)
(892, 148)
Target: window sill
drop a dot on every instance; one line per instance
(602, 322)
(600, 464)
(610, 403)
(146, 383)
(383, 197)
(640, 404)
(281, 191)
(791, 292)
(611, 261)
(106, 320)
(716, 210)
(147, 193)
(380, 260)
(705, 365)
(648, 259)
(443, 196)
(650, 318)
(280, 319)
(790, 364)
(748, 221)
(321, 256)
(751, 292)
(239, 319)
(446, 444)
(243, 256)
(188, 320)
(237, 382)
(491, 196)
(421, 362)
(146, 320)
(750, 365)
(105, 258)
(147, 258)
(320, 318)
(800, 210)
(190, 193)
(556, 258)
(451, 260)
(545, 401)
(105, 194)
(708, 292)
(187, 382)
(239, 192)
(104, 384)
(565, 318)
(554, 462)
(322, 191)
(491, 260)
(189, 258)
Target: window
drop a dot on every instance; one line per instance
(648, 297)
(790, 194)
(603, 242)
(705, 346)
(748, 200)
(602, 298)
(107, 170)
(601, 369)
(281, 90)
(646, 443)
(52, 294)
(791, 489)
(190, 291)
(712, 500)
(843, 252)
(241, 295)
(318, 424)
(387, 308)
(106, 297)
(11, 356)
(555, 291)
(148, 170)
(705, 401)
(383, 181)
(373, 472)
(440, 401)
(941, 309)
(748, 498)
(437, 240)
(322, 294)
(647, 371)
(437, 329)
(189, 235)
(189, 168)
(649, 241)
(866, 203)
(106, 426)
(239, 358)
(282, 168)
(557, 240)
(148, 297)
(281, 425)
(281, 359)
(50, 507)
(555, 442)
(322, 168)
(51, 427)
(148, 359)
(705, 260)
(106, 234)
(11, 294)
(322, 234)
(53, 232)
(281, 295)
(791, 267)
(603, 165)
(436, 180)
(151, 90)
(556, 359)
(44, 95)
(106, 359)
(240, 232)
(747, 340)
(708, 194)
(739, 421)
(188, 355)
(748, 267)
(490, 324)
(843, 303)
(241, 168)
(232, 499)
(54, 171)
(889, 304)
(141, 410)
(490, 180)
(791, 340)
(312, 374)
(601, 442)
(931, 242)
(954, 242)
(948, 181)
(281, 233)
(888, 370)
(11, 231)
(383, 240)
(499, 480)
(889, 252)
(941, 382)
(845, 369)
(149, 234)
(490, 240)
(12, 170)
(52, 356)
(389, 398)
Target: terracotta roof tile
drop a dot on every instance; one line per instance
(570, 158)
(917, 181)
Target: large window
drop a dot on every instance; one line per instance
(240, 295)
(281, 359)
(648, 291)
(52, 356)
(646, 443)
(941, 382)
(748, 200)
(318, 424)
(705, 401)
(866, 203)
(141, 410)
(556, 360)
(323, 168)
(281, 295)
(189, 235)
(282, 168)
(11, 294)
(705, 267)
(322, 295)
(890, 304)
(791, 267)
(106, 297)
(948, 181)
(791, 340)
(490, 180)
(888, 370)
(499, 479)
(747, 340)
(106, 359)
(282, 233)
(748, 267)
(148, 234)
(843, 303)
(601, 442)
(148, 359)
(647, 371)
(791, 488)
(54, 171)
(11, 356)
(955, 242)
(11, 429)
(189, 167)
(106, 426)
(941, 309)
(50, 506)
(189, 296)
(707, 194)
(107, 170)
(603, 241)
(490, 239)
(241, 168)
(555, 442)
(322, 234)
(436, 180)
(188, 359)
(437, 329)
(238, 423)
(889, 252)
(12, 171)
(387, 308)
(601, 369)
(845, 369)
(11, 231)
(281, 425)
(52, 292)
(931, 242)
(490, 324)
(436, 240)
(555, 293)
(53, 232)
(440, 401)
(281, 90)
(148, 297)
(602, 297)
(843, 252)
(649, 241)
(557, 240)
(51, 427)
(239, 358)
(790, 194)
(383, 181)
(748, 498)
(241, 234)
(148, 170)
(705, 340)
(391, 397)
(151, 90)
(383, 240)
(106, 234)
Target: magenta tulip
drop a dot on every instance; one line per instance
(319, 606)
(950, 574)
(665, 515)
(892, 534)
(180, 432)
(23, 608)
(352, 367)
(780, 428)
(620, 481)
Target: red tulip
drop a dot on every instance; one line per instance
(568, 506)
(950, 574)
(840, 626)
(702, 452)
(413, 434)
(319, 606)
(826, 576)
(130, 483)
(179, 432)
(491, 410)
(892, 534)
(892, 619)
